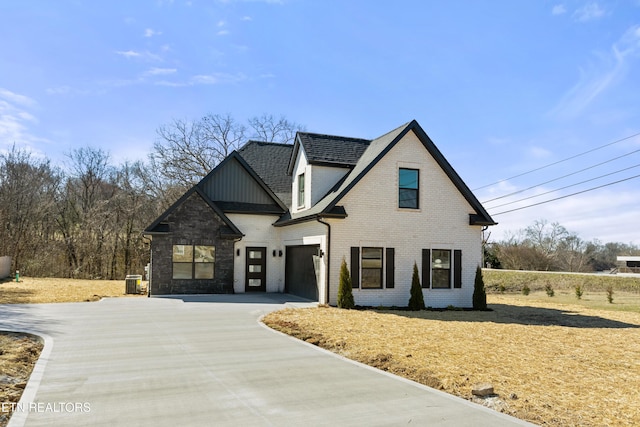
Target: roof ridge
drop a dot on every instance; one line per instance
(395, 130)
(255, 141)
(335, 136)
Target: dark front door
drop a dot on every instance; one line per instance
(300, 271)
(256, 274)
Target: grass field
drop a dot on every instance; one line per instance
(32, 290)
(514, 281)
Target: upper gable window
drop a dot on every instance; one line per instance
(408, 188)
(301, 190)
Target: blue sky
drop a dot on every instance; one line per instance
(502, 87)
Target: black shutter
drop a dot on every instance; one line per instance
(355, 267)
(457, 268)
(391, 274)
(426, 268)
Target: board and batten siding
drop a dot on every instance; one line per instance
(233, 183)
(375, 220)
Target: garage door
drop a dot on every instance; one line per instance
(300, 273)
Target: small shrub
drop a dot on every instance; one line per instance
(501, 288)
(416, 301)
(345, 294)
(549, 290)
(610, 294)
(526, 290)
(479, 294)
(579, 291)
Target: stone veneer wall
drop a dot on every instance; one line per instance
(192, 223)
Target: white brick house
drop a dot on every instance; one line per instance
(382, 205)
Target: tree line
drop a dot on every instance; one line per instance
(545, 246)
(84, 218)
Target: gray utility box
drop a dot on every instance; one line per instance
(134, 283)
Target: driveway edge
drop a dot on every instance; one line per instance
(19, 418)
(457, 400)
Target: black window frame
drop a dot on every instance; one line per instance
(404, 189)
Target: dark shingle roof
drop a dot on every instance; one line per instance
(375, 150)
(335, 150)
(270, 160)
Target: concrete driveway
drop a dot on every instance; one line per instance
(207, 361)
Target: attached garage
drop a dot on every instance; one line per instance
(300, 271)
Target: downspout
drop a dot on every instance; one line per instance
(328, 254)
(144, 237)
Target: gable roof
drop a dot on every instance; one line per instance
(229, 184)
(328, 150)
(219, 206)
(158, 227)
(269, 160)
(376, 150)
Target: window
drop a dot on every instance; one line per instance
(408, 188)
(371, 268)
(193, 262)
(441, 269)
(301, 190)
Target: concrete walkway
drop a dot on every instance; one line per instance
(206, 361)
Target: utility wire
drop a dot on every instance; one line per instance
(563, 188)
(568, 195)
(559, 161)
(564, 176)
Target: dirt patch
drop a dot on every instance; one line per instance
(549, 363)
(18, 355)
(51, 290)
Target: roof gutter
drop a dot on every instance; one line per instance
(328, 255)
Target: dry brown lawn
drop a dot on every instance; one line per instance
(49, 290)
(18, 355)
(550, 363)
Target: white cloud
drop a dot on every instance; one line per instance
(17, 98)
(16, 119)
(222, 32)
(147, 56)
(160, 71)
(588, 12)
(128, 53)
(607, 70)
(558, 9)
(217, 78)
(246, 18)
(149, 32)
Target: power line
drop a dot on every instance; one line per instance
(559, 161)
(564, 188)
(568, 195)
(564, 176)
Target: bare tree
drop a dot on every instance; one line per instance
(186, 151)
(27, 191)
(270, 129)
(84, 217)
